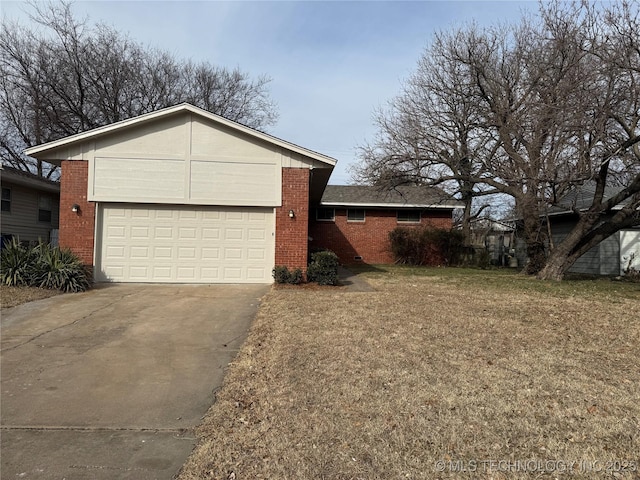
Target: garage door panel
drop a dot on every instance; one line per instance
(185, 244)
(187, 233)
(233, 233)
(140, 233)
(138, 253)
(210, 233)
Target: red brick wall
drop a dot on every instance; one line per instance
(76, 229)
(292, 233)
(368, 239)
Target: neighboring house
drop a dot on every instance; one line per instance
(354, 221)
(182, 195)
(30, 206)
(498, 239)
(611, 256)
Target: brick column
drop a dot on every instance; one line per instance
(292, 234)
(76, 229)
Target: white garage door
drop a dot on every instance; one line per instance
(184, 244)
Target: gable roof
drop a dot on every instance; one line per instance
(581, 197)
(27, 179)
(405, 196)
(40, 151)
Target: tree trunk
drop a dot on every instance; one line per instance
(466, 218)
(555, 268)
(537, 254)
(534, 235)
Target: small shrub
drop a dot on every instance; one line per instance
(16, 263)
(631, 274)
(43, 266)
(59, 270)
(281, 274)
(323, 268)
(483, 259)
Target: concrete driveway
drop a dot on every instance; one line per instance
(110, 383)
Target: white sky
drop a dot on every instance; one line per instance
(331, 63)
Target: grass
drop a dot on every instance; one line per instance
(453, 366)
(14, 296)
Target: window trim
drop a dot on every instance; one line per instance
(6, 201)
(333, 216)
(50, 210)
(407, 212)
(357, 220)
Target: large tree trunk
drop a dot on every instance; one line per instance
(466, 218)
(534, 235)
(537, 257)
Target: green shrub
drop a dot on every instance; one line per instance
(58, 269)
(281, 274)
(426, 246)
(323, 268)
(16, 263)
(43, 266)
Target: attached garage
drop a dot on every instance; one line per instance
(185, 196)
(184, 244)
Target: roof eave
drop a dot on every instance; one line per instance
(34, 183)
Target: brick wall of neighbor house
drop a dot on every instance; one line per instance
(368, 239)
(76, 229)
(292, 233)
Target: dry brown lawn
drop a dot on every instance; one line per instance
(14, 296)
(494, 373)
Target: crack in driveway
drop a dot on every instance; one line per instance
(75, 322)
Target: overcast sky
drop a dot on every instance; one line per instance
(331, 63)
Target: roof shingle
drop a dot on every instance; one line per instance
(407, 196)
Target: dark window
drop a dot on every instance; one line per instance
(409, 216)
(6, 199)
(355, 215)
(325, 214)
(44, 209)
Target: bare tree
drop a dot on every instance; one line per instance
(68, 76)
(533, 110)
(430, 134)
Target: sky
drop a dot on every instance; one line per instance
(331, 63)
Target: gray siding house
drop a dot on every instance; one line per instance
(30, 206)
(611, 256)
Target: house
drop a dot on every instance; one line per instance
(611, 256)
(30, 206)
(498, 239)
(354, 221)
(181, 195)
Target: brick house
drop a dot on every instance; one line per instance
(181, 195)
(354, 221)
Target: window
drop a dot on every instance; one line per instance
(355, 215)
(325, 214)
(408, 216)
(6, 199)
(44, 209)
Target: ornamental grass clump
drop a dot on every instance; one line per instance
(43, 266)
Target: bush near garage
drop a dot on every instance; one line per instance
(282, 274)
(323, 268)
(426, 246)
(43, 266)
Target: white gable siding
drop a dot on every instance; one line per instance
(182, 159)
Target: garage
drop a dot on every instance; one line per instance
(181, 195)
(184, 244)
